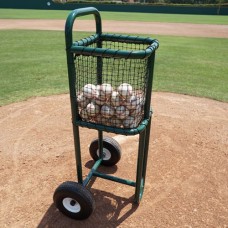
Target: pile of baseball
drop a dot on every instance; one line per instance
(102, 104)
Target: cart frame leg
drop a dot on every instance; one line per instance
(138, 189)
(100, 143)
(78, 153)
(142, 162)
(146, 150)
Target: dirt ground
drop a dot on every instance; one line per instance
(175, 29)
(186, 185)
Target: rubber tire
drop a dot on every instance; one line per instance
(110, 144)
(70, 189)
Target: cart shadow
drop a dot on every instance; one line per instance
(111, 211)
(103, 169)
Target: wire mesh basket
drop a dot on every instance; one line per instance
(112, 77)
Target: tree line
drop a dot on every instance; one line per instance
(196, 2)
(187, 1)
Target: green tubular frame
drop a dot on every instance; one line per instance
(80, 47)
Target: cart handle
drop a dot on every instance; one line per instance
(78, 13)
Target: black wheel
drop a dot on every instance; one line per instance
(74, 200)
(111, 151)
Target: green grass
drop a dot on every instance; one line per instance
(117, 16)
(194, 66)
(33, 63)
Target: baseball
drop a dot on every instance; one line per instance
(122, 112)
(115, 99)
(99, 119)
(107, 111)
(133, 101)
(137, 111)
(99, 102)
(100, 99)
(92, 109)
(138, 120)
(82, 101)
(125, 90)
(105, 91)
(84, 115)
(102, 120)
(106, 121)
(89, 90)
(142, 100)
(129, 122)
(115, 122)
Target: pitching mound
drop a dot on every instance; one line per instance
(186, 183)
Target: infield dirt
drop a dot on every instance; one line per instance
(186, 183)
(150, 28)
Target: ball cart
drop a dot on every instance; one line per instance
(110, 83)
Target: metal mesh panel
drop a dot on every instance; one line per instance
(123, 46)
(111, 93)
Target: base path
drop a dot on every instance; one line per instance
(186, 184)
(174, 29)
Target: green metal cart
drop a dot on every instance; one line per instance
(110, 81)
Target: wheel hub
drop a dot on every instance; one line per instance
(106, 154)
(71, 205)
(72, 202)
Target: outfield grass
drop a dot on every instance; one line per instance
(33, 63)
(117, 16)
